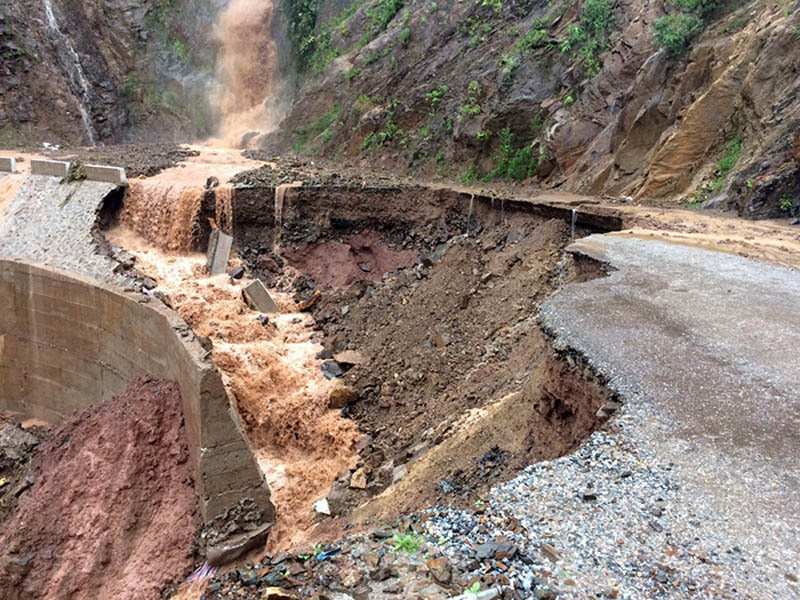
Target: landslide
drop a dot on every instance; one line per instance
(569, 95)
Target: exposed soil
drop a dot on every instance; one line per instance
(16, 445)
(113, 512)
(441, 346)
(337, 264)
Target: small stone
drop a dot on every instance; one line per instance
(321, 506)
(791, 577)
(589, 494)
(351, 577)
(373, 559)
(148, 283)
(394, 588)
(550, 552)
(485, 551)
(341, 395)
(247, 576)
(237, 273)
(398, 473)
(331, 369)
(364, 268)
(441, 570)
(358, 480)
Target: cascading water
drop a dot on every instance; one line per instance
(78, 77)
(163, 214)
(246, 72)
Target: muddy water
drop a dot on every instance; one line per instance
(246, 71)
(273, 376)
(162, 213)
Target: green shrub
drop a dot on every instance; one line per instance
(305, 133)
(379, 16)
(675, 32)
(522, 165)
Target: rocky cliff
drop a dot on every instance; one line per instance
(686, 102)
(668, 101)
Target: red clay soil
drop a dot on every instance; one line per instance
(113, 512)
(335, 264)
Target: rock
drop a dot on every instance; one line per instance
(358, 480)
(383, 573)
(331, 369)
(550, 552)
(321, 506)
(247, 576)
(364, 268)
(589, 494)
(148, 283)
(237, 273)
(398, 473)
(212, 182)
(486, 551)
(351, 576)
(341, 395)
(505, 550)
(349, 357)
(394, 588)
(373, 559)
(791, 577)
(441, 570)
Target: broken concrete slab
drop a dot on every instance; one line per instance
(7, 164)
(219, 252)
(106, 174)
(52, 168)
(257, 297)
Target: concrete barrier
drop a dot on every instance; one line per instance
(7, 164)
(67, 342)
(53, 168)
(105, 174)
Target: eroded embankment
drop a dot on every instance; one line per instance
(113, 511)
(426, 302)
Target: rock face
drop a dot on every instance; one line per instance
(431, 94)
(142, 63)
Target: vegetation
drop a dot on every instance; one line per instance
(589, 39)
(724, 166)
(515, 165)
(379, 15)
(408, 543)
(305, 133)
(675, 31)
(786, 204)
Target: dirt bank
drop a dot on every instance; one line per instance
(113, 512)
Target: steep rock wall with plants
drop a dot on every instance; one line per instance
(675, 102)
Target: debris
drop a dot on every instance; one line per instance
(321, 506)
(148, 283)
(328, 554)
(257, 297)
(237, 273)
(275, 593)
(331, 369)
(441, 570)
(398, 473)
(309, 303)
(349, 357)
(212, 182)
(550, 552)
(364, 268)
(358, 480)
(219, 252)
(341, 395)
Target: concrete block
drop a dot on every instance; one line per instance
(107, 174)
(219, 252)
(53, 168)
(7, 164)
(258, 298)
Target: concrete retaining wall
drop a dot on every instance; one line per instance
(67, 342)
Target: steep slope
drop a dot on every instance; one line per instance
(575, 95)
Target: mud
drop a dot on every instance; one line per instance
(113, 511)
(337, 264)
(442, 340)
(269, 366)
(137, 159)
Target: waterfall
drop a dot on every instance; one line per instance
(79, 77)
(572, 224)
